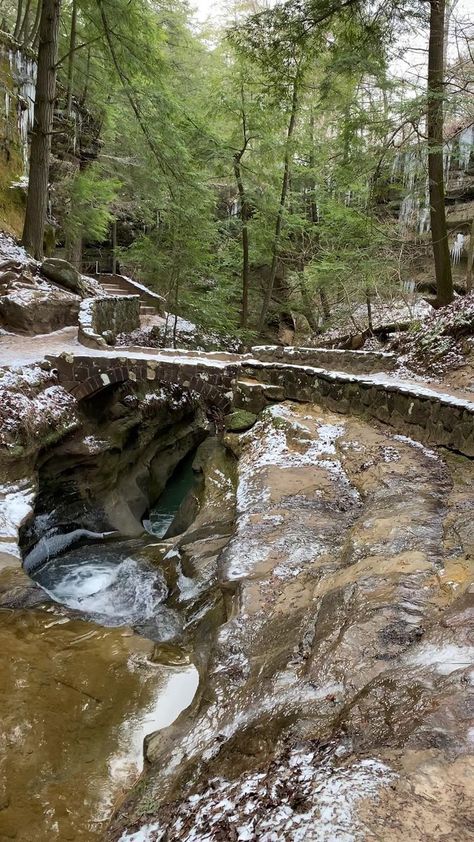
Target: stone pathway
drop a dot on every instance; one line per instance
(16, 350)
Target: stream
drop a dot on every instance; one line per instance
(79, 691)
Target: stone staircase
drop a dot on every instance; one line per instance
(151, 304)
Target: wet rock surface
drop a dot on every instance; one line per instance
(78, 698)
(77, 701)
(337, 701)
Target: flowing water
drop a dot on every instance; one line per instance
(79, 692)
(162, 514)
(106, 583)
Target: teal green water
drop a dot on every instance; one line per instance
(162, 514)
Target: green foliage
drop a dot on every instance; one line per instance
(87, 199)
(176, 109)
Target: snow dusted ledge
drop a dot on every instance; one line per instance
(358, 362)
(430, 416)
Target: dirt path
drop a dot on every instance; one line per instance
(18, 350)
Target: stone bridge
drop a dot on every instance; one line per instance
(246, 382)
(84, 375)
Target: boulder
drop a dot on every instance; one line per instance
(39, 309)
(239, 421)
(61, 272)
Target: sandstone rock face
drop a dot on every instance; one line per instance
(38, 309)
(29, 304)
(106, 475)
(335, 703)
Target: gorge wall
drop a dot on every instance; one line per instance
(17, 81)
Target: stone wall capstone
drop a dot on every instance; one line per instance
(358, 362)
(84, 376)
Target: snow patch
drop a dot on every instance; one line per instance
(299, 798)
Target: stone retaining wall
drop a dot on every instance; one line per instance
(429, 416)
(359, 362)
(102, 318)
(417, 411)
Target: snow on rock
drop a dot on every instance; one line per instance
(444, 659)
(16, 506)
(281, 440)
(188, 336)
(32, 405)
(440, 342)
(297, 797)
(430, 453)
(10, 250)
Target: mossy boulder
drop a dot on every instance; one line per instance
(61, 272)
(239, 421)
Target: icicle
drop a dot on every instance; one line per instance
(424, 221)
(457, 248)
(447, 161)
(23, 71)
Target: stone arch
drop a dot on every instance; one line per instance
(85, 376)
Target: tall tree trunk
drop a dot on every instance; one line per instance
(307, 304)
(37, 200)
(368, 300)
(439, 234)
(23, 34)
(86, 78)
(34, 31)
(313, 208)
(71, 57)
(450, 7)
(19, 19)
(281, 206)
(74, 252)
(244, 213)
(324, 303)
(114, 247)
(244, 216)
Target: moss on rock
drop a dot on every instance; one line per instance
(239, 421)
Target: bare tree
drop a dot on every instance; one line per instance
(281, 207)
(244, 213)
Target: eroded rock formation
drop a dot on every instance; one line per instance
(337, 698)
